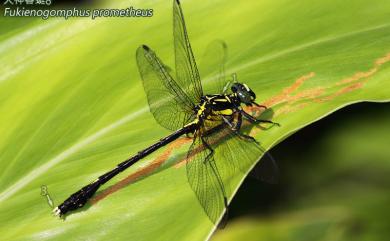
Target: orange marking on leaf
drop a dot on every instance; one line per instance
(282, 97)
(354, 82)
(306, 94)
(382, 60)
(298, 83)
(349, 88)
(358, 76)
(288, 108)
(362, 75)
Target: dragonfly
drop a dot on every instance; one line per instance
(215, 121)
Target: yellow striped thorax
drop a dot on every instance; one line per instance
(215, 107)
(212, 107)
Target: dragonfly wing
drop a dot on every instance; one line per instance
(236, 153)
(169, 104)
(212, 67)
(266, 170)
(187, 74)
(205, 180)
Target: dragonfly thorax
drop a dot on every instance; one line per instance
(212, 106)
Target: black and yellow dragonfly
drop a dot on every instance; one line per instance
(214, 120)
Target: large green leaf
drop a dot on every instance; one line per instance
(73, 106)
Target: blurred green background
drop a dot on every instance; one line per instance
(334, 183)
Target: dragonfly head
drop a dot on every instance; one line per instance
(244, 93)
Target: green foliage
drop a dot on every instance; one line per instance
(73, 105)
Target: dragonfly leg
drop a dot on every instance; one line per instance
(252, 119)
(261, 106)
(239, 122)
(236, 129)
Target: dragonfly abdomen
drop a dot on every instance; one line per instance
(79, 198)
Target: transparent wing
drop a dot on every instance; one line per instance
(210, 173)
(168, 103)
(212, 67)
(266, 170)
(205, 180)
(235, 152)
(187, 74)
